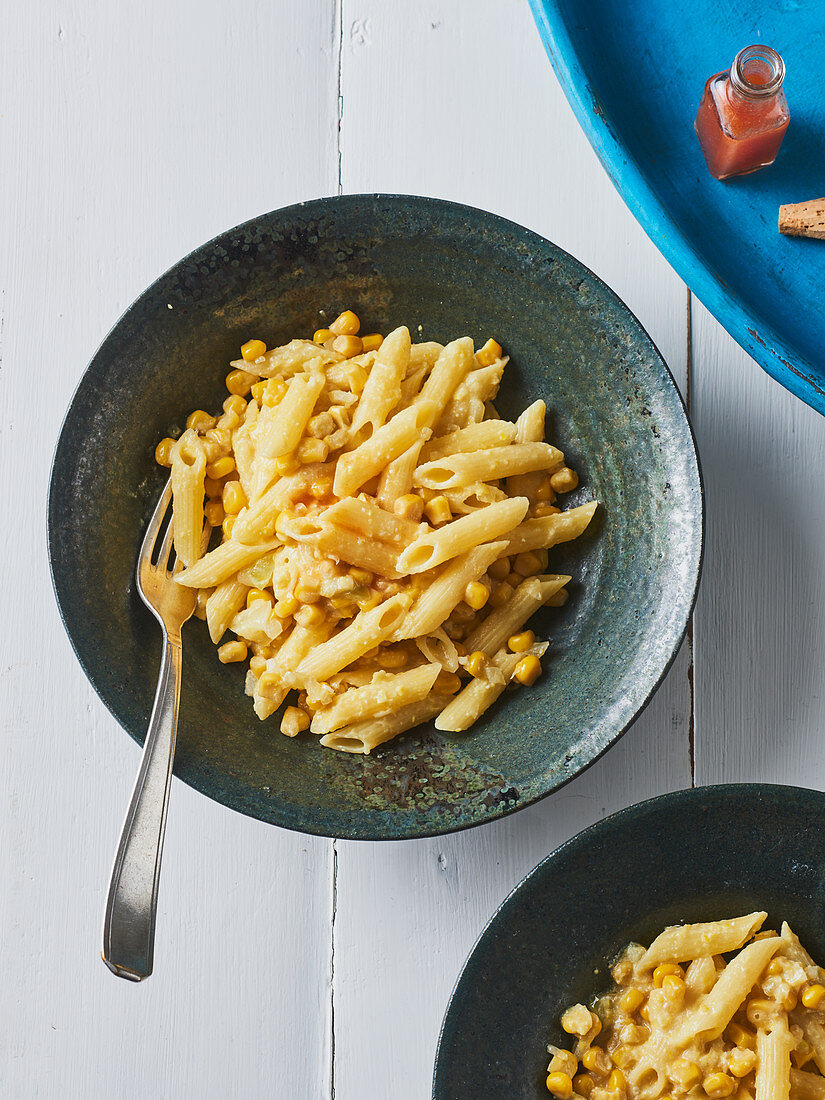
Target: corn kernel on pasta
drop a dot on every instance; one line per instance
(707, 1011)
(383, 532)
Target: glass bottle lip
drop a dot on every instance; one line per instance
(757, 59)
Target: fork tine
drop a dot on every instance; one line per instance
(166, 546)
(162, 506)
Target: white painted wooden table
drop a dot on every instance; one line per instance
(287, 966)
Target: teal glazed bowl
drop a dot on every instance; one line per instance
(696, 855)
(444, 270)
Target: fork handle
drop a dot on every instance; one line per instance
(131, 907)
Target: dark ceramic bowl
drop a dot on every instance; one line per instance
(696, 855)
(444, 270)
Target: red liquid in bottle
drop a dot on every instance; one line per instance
(743, 115)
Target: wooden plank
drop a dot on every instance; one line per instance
(760, 643)
(126, 141)
(459, 101)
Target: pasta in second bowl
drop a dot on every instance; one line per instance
(444, 271)
(614, 971)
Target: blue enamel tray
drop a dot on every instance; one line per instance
(634, 73)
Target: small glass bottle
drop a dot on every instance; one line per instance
(743, 115)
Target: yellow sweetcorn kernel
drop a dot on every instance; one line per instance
(577, 1020)
(502, 594)
(258, 594)
(309, 615)
(623, 1056)
(392, 658)
(294, 721)
(212, 486)
(616, 1081)
(476, 595)
(632, 999)
(476, 663)
(213, 510)
(500, 569)
(446, 683)
(286, 607)
(489, 353)
(220, 467)
(438, 510)
(357, 378)
(741, 1061)
(813, 996)
(163, 451)
(252, 350)
(598, 1061)
(372, 341)
(685, 1074)
(740, 1036)
(229, 420)
(760, 1011)
(235, 403)
(564, 480)
(259, 389)
(661, 972)
(201, 421)
(583, 1084)
(410, 506)
(240, 382)
(520, 643)
(362, 577)
(273, 393)
(231, 652)
(347, 345)
(718, 1085)
(632, 1034)
(345, 324)
(563, 1061)
(527, 564)
(321, 335)
(228, 524)
(542, 509)
(673, 988)
(560, 1084)
(286, 464)
(257, 664)
(312, 450)
(307, 590)
(234, 498)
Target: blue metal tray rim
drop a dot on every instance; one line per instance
(785, 365)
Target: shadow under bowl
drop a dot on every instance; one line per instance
(444, 270)
(695, 855)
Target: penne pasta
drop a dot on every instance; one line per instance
(384, 694)
(366, 630)
(457, 470)
(694, 941)
(222, 562)
(538, 534)
(359, 553)
(383, 389)
(505, 621)
(442, 595)
(391, 440)
(222, 607)
(363, 737)
(187, 476)
(430, 550)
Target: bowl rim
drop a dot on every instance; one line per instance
(584, 840)
(425, 204)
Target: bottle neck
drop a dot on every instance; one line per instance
(756, 75)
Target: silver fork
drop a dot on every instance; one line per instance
(131, 907)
